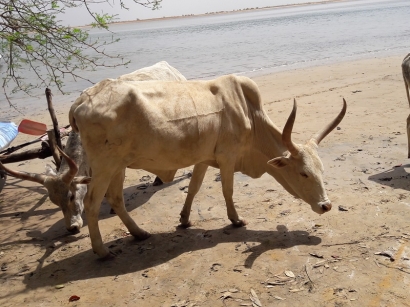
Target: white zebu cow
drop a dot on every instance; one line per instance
(67, 187)
(162, 126)
(405, 67)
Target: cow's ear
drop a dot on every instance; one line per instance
(279, 162)
(82, 180)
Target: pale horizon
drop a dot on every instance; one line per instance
(176, 8)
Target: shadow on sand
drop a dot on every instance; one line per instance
(396, 177)
(133, 256)
(134, 196)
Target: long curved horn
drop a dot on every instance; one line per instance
(69, 175)
(321, 135)
(25, 176)
(287, 131)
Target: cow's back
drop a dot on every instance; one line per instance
(181, 122)
(159, 71)
(136, 116)
(161, 105)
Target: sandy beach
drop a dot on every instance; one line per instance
(358, 254)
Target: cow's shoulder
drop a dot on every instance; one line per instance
(241, 85)
(231, 81)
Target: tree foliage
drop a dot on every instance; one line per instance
(32, 37)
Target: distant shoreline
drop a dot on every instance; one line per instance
(227, 12)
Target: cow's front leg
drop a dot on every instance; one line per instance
(227, 173)
(92, 202)
(194, 185)
(115, 197)
(408, 136)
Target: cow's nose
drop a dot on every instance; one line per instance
(327, 207)
(74, 229)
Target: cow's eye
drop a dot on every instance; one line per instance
(71, 196)
(304, 175)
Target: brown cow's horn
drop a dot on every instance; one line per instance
(321, 135)
(287, 131)
(25, 176)
(68, 176)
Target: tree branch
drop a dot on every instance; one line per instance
(32, 38)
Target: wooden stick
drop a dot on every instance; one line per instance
(308, 274)
(53, 147)
(38, 153)
(9, 150)
(345, 243)
(54, 119)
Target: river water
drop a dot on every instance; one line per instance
(252, 42)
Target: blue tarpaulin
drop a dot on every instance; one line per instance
(8, 132)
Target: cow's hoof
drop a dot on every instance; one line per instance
(184, 220)
(74, 229)
(157, 182)
(185, 225)
(143, 235)
(109, 257)
(239, 223)
(102, 253)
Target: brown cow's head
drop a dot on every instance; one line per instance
(300, 172)
(64, 189)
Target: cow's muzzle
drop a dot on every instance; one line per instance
(75, 225)
(74, 229)
(326, 207)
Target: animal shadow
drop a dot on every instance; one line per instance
(396, 177)
(133, 256)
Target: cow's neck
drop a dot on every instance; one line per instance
(268, 138)
(266, 145)
(83, 168)
(75, 151)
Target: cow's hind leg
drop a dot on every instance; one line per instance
(227, 173)
(194, 185)
(115, 197)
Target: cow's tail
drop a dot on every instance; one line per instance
(71, 117)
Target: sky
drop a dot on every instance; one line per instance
(80, 16)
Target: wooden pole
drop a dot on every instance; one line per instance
(53, 118)
(53, 147)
